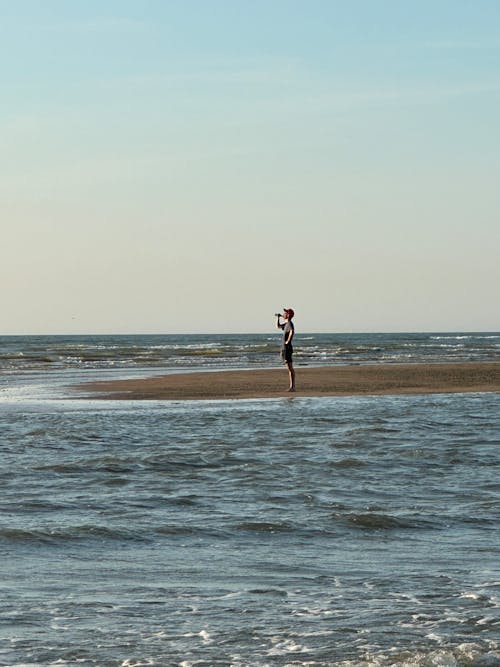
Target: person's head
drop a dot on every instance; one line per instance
(288, 313)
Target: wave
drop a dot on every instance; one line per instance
(291, 650)
(264, 527)
(349, 463)
(467, 654)
(90, 533)
(377, 521)
(70, 534)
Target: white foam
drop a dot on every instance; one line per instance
(286, 646)
(472, 596)
(205, 637)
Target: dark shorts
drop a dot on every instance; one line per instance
(286, 353)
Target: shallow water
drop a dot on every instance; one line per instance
(312, 532)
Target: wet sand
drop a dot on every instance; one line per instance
(323, 381)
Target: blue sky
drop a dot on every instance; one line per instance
(193, 166)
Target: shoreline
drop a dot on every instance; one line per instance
(349, 380)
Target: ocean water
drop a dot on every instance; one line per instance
(352, 531)
(50, 353)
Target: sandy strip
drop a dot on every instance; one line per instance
(324, 381)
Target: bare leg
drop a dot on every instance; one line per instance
(291, 375)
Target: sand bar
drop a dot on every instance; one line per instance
(323, 381)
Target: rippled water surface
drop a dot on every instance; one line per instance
(307, 532)
(312, 532)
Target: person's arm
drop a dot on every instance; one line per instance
(279, 325)
(290, 336)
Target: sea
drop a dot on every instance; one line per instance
(305, 532)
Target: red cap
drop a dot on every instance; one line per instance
(290, 312)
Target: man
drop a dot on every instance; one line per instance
(286, 343)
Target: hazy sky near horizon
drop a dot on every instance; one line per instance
(191, 165)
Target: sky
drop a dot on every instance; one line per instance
(188, 166)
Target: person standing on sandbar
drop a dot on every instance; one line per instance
(286, 343)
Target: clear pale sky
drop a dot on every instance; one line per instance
(194, 165)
